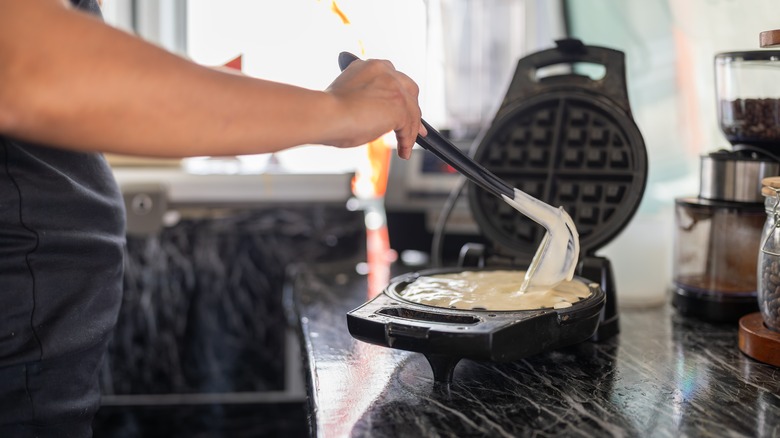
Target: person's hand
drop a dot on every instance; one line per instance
(374, 98)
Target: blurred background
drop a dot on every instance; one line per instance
(462, 53)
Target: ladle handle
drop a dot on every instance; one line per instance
(449, 153)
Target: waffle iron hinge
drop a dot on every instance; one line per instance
(599, 270)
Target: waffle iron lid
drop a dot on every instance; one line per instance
(568, 140)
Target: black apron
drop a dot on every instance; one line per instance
(61, 253)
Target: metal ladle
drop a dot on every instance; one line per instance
(556, 257)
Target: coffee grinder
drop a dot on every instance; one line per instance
(759, 332)
(718, 232)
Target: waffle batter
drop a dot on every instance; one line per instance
(490, 290)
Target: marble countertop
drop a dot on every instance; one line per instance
(663, 375)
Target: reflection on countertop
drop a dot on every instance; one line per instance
(664, 375)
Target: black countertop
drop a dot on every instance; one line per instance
(663, 375)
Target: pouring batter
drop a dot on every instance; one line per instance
(556, 258)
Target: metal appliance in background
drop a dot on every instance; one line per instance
(718, 233)
(568, 140)
(417, 192)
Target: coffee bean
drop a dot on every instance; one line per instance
(769, 290)
(746, 120)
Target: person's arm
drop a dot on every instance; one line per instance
(68, 80)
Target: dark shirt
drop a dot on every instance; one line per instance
(61, 248)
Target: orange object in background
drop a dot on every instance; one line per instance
(337, 10)
(235, 63)
(379, 258)
(379, 158)
(370, 185)
(379, 254)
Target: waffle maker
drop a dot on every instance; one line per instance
(568, 140)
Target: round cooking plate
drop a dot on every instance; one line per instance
(397, 290)
(570, 148)
(446, 335)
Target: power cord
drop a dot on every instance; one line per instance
(437, 245)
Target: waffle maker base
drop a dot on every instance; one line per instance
(445, 336)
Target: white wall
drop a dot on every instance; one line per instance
(670, 47)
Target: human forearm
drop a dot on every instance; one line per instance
(80, 84)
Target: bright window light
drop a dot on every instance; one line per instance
(298, 42)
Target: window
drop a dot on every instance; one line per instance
(298, 42)
(461, 53)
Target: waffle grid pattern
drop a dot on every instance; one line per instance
(567, 152)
